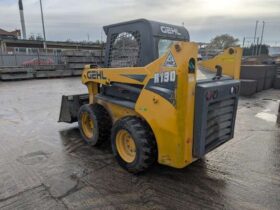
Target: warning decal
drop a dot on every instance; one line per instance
(170, 61)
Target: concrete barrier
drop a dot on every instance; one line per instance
(263, 74)
(82, 59)
(76, 65)
(269, 76)
(77, 72)
(248, 87)
(254, 72)
(16, 73)
(83, 53)
(51, 74)
(276, 83)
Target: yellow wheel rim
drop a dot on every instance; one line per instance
(87, 125)
(126, 146)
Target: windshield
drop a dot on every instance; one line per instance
(164, 45)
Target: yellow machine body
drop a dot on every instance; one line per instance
(172, 124)
(229, 60)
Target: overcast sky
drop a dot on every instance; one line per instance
(74, 19)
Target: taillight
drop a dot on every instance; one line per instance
(211, 94)
(208, 95)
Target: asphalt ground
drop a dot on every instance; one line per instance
(46, 165)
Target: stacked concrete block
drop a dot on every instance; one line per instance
(269, 76)
(52, 74)
(51, 71)
(44, 67)
(276, 83)
(76, 60)
(16, 73)
(39, 71)
(248, 87)
(263, 74)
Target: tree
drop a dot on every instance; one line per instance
(248, 51)
(39, 37)
(223, 41)
(32, 37)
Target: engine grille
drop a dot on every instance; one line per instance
(219, 123)
(214, 118)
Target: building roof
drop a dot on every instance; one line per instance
(15, 33)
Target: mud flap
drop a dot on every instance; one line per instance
(70, 106)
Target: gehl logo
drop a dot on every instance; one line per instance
(169, 30)
(164, 77)
(96, 75)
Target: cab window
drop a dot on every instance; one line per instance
(125, 49)
(164, 45)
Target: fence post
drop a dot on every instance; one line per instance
(38, 55)
(16, 59)
(2, 60)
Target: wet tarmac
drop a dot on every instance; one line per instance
(46, 165)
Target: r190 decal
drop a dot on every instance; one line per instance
(165, 77)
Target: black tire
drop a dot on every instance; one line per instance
(102, 123)
(146, 149)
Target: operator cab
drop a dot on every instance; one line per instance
(139, 42)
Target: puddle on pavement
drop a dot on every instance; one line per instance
(33, 158)
(267, 116)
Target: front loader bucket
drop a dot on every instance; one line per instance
(70, 106)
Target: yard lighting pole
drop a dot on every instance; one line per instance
(43, 24)
(261, 38)
(256, 28)
(278, 118)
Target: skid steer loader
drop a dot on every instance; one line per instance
(153, 99)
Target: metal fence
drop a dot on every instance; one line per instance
(18, 59)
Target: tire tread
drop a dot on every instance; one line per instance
(141, 133)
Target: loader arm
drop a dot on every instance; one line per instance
(229, 60)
